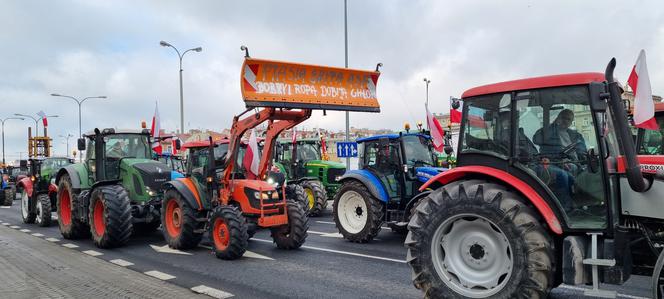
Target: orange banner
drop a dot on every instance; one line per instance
(267, 83)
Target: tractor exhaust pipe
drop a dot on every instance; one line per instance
(625, 141)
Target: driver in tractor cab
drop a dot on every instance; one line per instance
(555, 140)
(116, 150)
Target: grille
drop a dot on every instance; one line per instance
(333, 173)
(154, 175)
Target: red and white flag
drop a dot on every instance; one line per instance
(644, 107)
(252, 158)
(323, 146)
(436, 131)
(174, 150)
(155, 131)
(43, 117)
(294, 136)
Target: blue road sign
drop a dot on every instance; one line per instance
(346, 149)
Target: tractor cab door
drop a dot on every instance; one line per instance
(417, 152)
(382, 158)
(197, 164)
(305, 152)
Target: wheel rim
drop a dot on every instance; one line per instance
(25, 202)
(311, 199)
(472, 256)
(352, 212)
(100, 223)
(38, 210)
(221, 234)
(173, 218)
(64, 212)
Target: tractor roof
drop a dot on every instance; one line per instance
(533, 83)
(300, 140)
(110, 131)
(391, 136)
(203, 143)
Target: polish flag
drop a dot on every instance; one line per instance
(294, 136)
(323, 146)
(644, 107)
(436, 131)
(252, 157)
(43, 117)
(174, 149)
(155, 131)
(455, 114)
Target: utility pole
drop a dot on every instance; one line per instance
(346, 65)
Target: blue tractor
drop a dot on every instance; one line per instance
(385, 188)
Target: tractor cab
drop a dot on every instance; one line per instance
(38, 190)
(651, 142)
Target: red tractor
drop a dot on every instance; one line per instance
(547, 190)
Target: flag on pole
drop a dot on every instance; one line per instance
(174, 149)
(43, 117)
(294, 136)
(251, 157)
(323, 146)
(455, 114)
(155, 131)
(644, 107)
(436, 130)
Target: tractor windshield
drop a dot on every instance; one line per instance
(307, 152)
(127, 146)
(417, 151)
(652, 142)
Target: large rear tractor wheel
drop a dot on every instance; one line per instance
(295, 192)
(476, 239)
(181, 229)
(27, 212)
(228, 231)
(357, 213)
(293, 234)
(110, 216)
(43, 210)
(657, 283)
(68, 219)
(316, 197)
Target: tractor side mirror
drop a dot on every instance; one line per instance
(593, 161)
(448, 150)
(598, 97)
(178, 144)
(81, 144)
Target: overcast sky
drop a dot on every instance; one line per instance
(88, 48)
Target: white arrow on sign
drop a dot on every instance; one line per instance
(166, 249)
(346, 149)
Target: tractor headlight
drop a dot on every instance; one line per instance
(33, 178)
(150, 191)
(337, 178)
(275, 195)
(257, 195)
(265, 195)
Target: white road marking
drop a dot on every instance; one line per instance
(326, 222)
(166, 249)
(159, 275)
(53, 239)
(247, 253)
(574, 288)
(93, 253)
(70, 245)
(317, 232)
(342, 252)
(5, 223)
(15, 226)
(333, 235)
(121, 262)
(214, 293)
(37, 235)
(5, 207)
(25, 230)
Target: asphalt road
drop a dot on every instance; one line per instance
(326, 266)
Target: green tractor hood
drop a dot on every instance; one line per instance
(143, 178)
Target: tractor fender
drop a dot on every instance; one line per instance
(369, 180)
(413, 200)
(304, 179)
(73, 175)
(26, 184)
(499, 175)
(187, 190)
(52, 189)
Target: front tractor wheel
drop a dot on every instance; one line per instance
(295, 192)
(476, 239)
(357, 213)
(110, 216)
(181, 229)
(316, 197)
(43, 210)
(10, 195)
(27, 213)
(293, 234)
(228, 230)
(68, 206)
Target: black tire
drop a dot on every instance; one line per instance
(8, 196)
(252, 228)
(110, 216)
(657, 279)
(181, 228)
(73, 228)
(13, 187)
(319, 194)
(374, 216)
(293, 234)
(295, 192)
(228, 233)
(530, 246)
(43, 210)
(27, 208)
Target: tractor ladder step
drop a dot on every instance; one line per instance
(595, 263)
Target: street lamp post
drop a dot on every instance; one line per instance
(346, 64)
(3, 134)
(197, 49)
(36, 119)
(67, 138)
(426, 104)
(79, 102)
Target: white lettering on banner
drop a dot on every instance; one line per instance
(274, 88)
(305, 89)
(333, 92)
(340, 93)
(361, 93)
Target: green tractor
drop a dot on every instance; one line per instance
(303, 163)
(116, 191)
